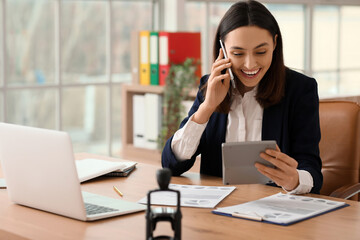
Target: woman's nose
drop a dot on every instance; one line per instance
(249, 62)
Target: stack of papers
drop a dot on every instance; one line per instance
(283, 209)
(91, 168)
(190, 196)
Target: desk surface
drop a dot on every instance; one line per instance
(18, 222)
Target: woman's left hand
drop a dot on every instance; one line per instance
(285, 173)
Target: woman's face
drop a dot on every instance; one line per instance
(250, 49)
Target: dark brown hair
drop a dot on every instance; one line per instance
(252, 13)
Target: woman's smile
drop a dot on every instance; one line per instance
(250, 74)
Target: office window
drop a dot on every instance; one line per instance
(117, 117)
(32, 107)
(217, 11)
(83, 41)
(86, 117)
(127, 17)
(291, 20)
(30, 42)
(336, 62)
(196, 22)
(196, 16)
(325, 38)
(30, 61)
(350, 37)
(204, 17)
(83, 32)
(66, 62)
(349, 50)
(325, 51)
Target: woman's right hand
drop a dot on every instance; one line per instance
(218, 84)
(217, 88)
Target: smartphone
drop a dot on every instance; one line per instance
(230, 72)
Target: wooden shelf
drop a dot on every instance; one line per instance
(129, 151)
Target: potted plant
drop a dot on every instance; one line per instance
(179, 82)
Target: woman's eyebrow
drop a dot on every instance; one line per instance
(258, 46)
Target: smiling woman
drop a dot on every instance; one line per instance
(270, 102)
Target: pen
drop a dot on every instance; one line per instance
(254, 216)
(118, 191)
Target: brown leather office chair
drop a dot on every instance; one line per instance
(340, 148)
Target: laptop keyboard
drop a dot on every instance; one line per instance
(92, 209)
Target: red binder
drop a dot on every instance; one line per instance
(174, 48)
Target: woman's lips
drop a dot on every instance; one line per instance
(250, 74)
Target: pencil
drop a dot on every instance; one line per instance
(118, 191)
(247, 216)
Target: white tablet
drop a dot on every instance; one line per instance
(238, 161)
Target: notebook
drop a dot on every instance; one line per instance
(39, 169)
(90, 168)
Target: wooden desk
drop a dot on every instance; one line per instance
(18, 222)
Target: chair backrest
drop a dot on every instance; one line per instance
(340, 144)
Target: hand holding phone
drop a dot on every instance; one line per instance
(230, 72)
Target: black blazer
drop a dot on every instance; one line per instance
(293, 123)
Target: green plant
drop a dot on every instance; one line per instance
(179, 82)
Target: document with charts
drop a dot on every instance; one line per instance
(190, 196)
(283, 209)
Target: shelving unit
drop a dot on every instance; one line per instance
(129, 151)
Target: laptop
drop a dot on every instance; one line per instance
(39, 169)
(238, 159)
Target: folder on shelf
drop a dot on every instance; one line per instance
(139, 120)
(144, 57)
(154, 58)
(174, 48)
(153, 113)
(135, 51)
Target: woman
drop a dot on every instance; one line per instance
(270, 102)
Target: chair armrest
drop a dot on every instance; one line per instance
(347, 191)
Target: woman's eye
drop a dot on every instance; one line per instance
(261, 53)
(238, 54)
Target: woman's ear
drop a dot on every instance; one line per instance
(275, 41)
